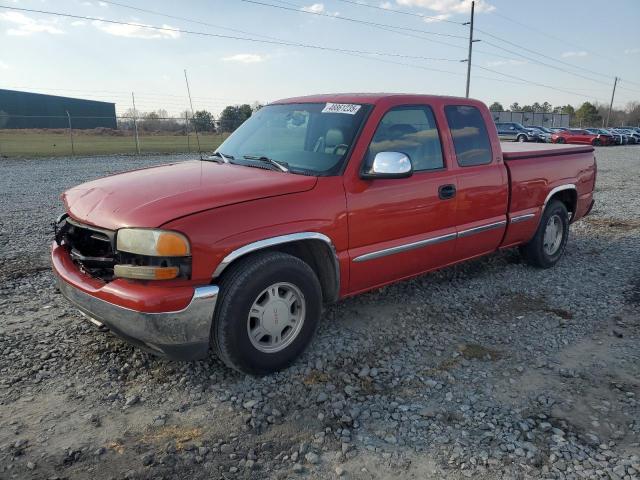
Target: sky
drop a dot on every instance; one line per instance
(543, 50)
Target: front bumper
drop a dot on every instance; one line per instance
(179, 334)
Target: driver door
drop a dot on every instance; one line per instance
(404, 226)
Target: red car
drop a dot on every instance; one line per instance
(579, 136)
(311, 200)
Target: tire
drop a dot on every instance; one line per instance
(540, 252)
(248, 287)
(596, 142)
(521, 138)
(561, 140)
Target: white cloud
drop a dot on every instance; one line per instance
(78, 23)
(4, 66)
(437, 18)
(103, 4)
(386, 5)
(25, 25)
(319, 9)
(500, 63)
(581, 53)
(631, 51)
(448, 6)
(245, 58)
(315, 8)
(135, 31)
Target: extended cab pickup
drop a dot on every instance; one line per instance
(311, 200)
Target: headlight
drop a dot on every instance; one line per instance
(155, 243)
(151, 254)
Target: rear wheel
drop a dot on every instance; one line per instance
(550, 240)
(522, 138)
(596, 142)
(561, 140)
(268, 311)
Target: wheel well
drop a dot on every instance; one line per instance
(319, 255)
(569, 197)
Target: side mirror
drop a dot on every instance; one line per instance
(389, 165)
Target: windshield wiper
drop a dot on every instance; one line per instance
(262, 158)
(219, 157)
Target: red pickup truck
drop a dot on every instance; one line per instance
(311, 200)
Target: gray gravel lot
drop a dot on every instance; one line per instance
(490, 369)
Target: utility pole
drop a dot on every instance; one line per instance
(613, 94)
(135, 123)
(195, 124)
(73, 150)
(471, 40)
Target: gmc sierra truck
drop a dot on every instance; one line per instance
(311, 200)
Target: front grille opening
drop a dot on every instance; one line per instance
(90, 248)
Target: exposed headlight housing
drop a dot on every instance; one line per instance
(152, 254)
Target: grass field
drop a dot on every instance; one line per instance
(45, 143)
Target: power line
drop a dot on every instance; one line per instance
(402, 12)
(547, 34)
(229, 37)
(535, 83)
(350, 19)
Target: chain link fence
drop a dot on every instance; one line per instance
(533, 118)
(124, 135)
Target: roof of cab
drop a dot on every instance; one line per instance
(370, 98)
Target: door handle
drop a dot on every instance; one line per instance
(446, 191)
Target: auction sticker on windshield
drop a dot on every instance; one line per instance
(348, 108)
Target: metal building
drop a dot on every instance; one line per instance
(35, 110)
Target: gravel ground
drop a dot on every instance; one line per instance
(489, 369)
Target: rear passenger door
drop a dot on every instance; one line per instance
(483, 191)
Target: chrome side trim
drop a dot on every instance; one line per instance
(279, 240)
(522, 218)
(404, 248)
(481, 228)
(567, 186)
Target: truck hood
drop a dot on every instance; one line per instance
(153, 196)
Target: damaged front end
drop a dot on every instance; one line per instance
(92, 249)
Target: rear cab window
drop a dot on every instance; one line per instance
(412, 130)
(469, 133)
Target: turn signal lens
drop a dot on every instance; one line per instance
(145, 273)
(171, 244)
(152, 242)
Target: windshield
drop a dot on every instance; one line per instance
(309, 138)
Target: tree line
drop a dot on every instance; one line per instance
(587, 114)
(231, 117)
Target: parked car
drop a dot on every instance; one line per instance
(515, 132)
(311, 200)
(607, 137)
(544, 134)
(620, 137)
(577, 135)
(634, 137)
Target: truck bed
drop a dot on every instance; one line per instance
(517, 151)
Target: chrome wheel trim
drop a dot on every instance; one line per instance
(553, 233)
(276, 317)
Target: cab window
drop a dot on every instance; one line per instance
(470, 136)
(411, 130)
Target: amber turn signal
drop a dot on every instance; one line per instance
(145, 273)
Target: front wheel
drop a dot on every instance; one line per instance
(522, 138)
(268, 312)
(549, 242)
(561, 140)
(596, 142)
